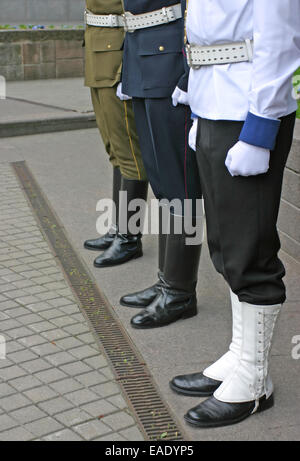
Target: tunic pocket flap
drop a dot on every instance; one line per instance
(110, 41)
(154, 45)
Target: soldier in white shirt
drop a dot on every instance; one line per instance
(243, 54)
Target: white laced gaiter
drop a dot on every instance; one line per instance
(249, 381)
(224, 366)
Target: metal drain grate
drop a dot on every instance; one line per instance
(152, 413)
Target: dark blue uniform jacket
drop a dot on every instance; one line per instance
(153, 61)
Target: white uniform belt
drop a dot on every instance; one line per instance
(227, 53)
(103, 20)
(132, 22)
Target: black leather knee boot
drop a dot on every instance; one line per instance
(177, 294)
(104, 242)
(145, 297)
(126, 245)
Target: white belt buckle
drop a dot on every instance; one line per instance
(114, 20)
(111, 20)
(165, 14)
(189, 58)
(118, 21)
(249, 47)
(188, 55)
(126, 26)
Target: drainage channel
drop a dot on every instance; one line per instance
(152, 413)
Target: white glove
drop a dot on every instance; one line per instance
(247, 160)
(179, 97)
(193, 135)
(121, 95)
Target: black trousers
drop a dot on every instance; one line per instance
(170, 164)
(242, 213)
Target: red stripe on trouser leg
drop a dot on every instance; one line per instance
(185, 153)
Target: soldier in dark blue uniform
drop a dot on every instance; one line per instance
(155, 74)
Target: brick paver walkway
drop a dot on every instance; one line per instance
(54, 383)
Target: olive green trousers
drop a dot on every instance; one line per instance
(115, 120)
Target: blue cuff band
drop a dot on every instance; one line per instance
(259, 131)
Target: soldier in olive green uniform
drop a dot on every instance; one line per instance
(115, 120)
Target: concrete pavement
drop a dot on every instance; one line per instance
(64, 93)
(45, 106)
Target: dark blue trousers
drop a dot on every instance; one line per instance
(170, 164)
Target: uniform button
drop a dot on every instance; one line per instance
(161, 48)
(109, 46)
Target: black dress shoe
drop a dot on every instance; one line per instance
(167, 308)
(195, 384)
(214, 413)
(143, 298)
(123, 249)
(101, 243)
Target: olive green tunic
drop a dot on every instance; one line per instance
(103, 67)
(103, 47)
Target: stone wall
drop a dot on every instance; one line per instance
(31, 55)
(41, 11)
(289, 219)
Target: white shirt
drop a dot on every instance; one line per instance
(262, 87)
